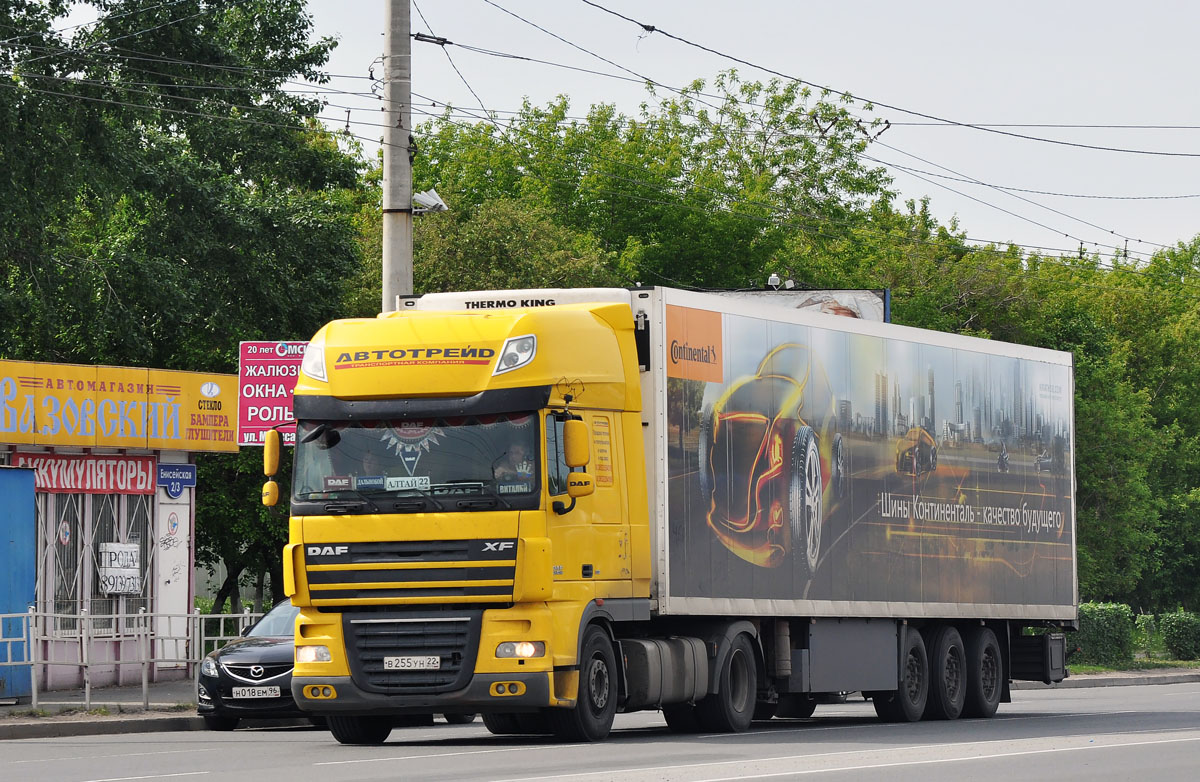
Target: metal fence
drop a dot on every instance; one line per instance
(157, 639)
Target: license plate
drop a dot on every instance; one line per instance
(255, 692)
(424, 663)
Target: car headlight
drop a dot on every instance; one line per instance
(517, 352)
(208, 667)
(313, 654)
(521, 649)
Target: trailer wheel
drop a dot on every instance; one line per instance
(731, 708)
(596, 703)
(985, 673)
(797, 707)
(360, 730)
(804, 501)
(948, 674)
(907, 703)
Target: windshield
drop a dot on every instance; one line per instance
(417, 465)
(279, 622)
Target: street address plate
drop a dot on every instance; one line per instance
(256, 692)
(422, 663)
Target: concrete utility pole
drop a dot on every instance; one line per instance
(397, 164)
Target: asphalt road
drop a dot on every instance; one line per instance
(1086, 734)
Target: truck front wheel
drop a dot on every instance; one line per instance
(731, 708)
(596, 703)
(360, 730)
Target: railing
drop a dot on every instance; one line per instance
(180, 639)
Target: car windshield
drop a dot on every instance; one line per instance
(279, 622)
(417, 465)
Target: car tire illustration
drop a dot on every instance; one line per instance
(804, 501)
(703, 452)
(837, 460)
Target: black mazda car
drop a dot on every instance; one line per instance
(251, 677)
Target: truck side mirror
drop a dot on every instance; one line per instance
(580, 484)
(271, 453)
(575, 443)
(270, 493)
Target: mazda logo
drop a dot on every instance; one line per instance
(256, 671)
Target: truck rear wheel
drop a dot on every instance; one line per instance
(596, 702)
(731, 708)
(984, 673)
(948, 674)
(804, 501)
(360, 730)
(907, 704)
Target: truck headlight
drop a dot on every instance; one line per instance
(521, 649)
(313, 654)
(208, 667)
(313, 363)
(517, 352)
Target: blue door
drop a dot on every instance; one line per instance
(18, 577)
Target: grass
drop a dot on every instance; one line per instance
(1134, 665)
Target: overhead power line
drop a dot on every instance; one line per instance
(649, 28)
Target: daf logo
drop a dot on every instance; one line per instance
(498, 545)
(327, 551)
(257, 671)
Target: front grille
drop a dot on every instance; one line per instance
(451, 637)
(256, 673)
(411, 571)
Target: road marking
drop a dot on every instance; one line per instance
(151, 776)
(106, 757)
(898, 764)
(611, 773)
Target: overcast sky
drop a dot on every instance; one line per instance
(1030, 63)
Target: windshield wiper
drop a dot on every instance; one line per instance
(488, 498)
(341, 504)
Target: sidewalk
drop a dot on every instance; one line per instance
(173, 705)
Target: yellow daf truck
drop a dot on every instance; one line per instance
(550, 506)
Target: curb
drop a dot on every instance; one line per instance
(1073, 683)
(48, 728)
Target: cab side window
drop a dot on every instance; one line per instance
(556, 460)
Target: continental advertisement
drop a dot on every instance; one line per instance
(814, 463)
(118, 407)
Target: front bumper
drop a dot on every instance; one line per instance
(483, 693)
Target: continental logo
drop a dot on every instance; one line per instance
(694, 342)
(686, 352)
(399, 357)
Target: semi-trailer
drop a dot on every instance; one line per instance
(550, 506)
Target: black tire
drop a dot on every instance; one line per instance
(501, 724)
(947, 674)
(214, 722)
(458, 719)
(907, 704)
(933, 459)
(596, 701)
(681, 718)
(702, 457)
(360, 730)
(731, 708)
(804, 502)
(797, 707)
(841, 474)
(985, 673)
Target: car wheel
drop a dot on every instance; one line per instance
(501, 724)
(804, 501)
(360, 730)
(213, 722)
(458, 719)
(596, 701)
(731, 708)
(841, 479)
